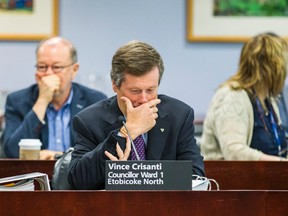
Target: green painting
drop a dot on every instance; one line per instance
(257, 8)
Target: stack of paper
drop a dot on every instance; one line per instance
(23, 185)
(25, 182)
(200, 184)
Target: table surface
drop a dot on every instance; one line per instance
(230, 175)
(145, 203)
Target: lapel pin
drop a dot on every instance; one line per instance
(79, 106)
(162, 129)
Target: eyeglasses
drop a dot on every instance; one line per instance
(55, 68)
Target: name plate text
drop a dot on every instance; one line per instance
(148, 175)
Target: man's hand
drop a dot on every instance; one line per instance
(142, 118)
(48, 154)
(122, 156)
(48, 85)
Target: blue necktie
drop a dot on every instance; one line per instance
(140, 148)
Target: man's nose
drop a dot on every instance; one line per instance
(143, 98)
(49, 70)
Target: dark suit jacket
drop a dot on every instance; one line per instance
(21, 121)
(96, 129)
(282, 103)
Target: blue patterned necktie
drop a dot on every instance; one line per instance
(140, 148)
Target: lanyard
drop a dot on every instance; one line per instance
(271, 115)
(276, 135)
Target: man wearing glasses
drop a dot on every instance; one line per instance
(44, 110)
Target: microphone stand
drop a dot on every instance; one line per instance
(131, 140)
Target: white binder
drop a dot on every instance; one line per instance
(25, 182)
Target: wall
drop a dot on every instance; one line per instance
(98, 27)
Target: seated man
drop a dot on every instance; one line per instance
(2, 154)
(161, 127)
(283, 104)
(44, 110)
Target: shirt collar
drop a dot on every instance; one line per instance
(67, 103)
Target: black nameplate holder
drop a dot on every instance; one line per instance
(148, 175)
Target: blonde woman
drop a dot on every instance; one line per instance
(242, 122)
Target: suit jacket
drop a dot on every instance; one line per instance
(21, 121)
(96, 129)
(282, 103)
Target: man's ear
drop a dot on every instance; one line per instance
(75, 70)
(114, 87)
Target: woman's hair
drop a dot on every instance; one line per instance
(262, 67)
(136, 58)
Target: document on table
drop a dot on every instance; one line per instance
(25, 182)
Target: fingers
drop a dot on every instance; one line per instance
(127, 102)
(155, 116)
(128, 148)
(110, 156)
(120, 153)
(52, 82)
(154, 102)
(121, 156)
(47, 154)
(154, 110)
(48, 85)
(150, 108)
(152, 113)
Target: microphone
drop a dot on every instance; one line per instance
(122, 119)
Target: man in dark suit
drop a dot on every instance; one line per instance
(165, 125)
(283, 104)
(44, 110)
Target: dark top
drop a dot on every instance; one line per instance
(264, 137)
(96, 128)
(21, 121)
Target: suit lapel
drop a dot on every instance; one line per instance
(77, 103)
(157, 136)
(112, 114)
(44, 134)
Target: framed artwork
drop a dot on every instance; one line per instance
(28, 19)
(235, 21)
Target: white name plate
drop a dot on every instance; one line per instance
(148, 175)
